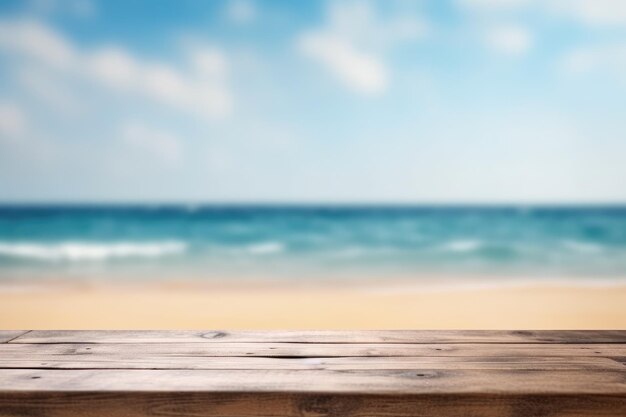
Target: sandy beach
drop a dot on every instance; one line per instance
(255, 305)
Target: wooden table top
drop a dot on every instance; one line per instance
(313, 373)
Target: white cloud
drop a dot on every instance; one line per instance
(354, 41)
(580, 61)
(113, 66)
(360, 71)
(516, 40)
(241, 12)
(588, 12)
(164, 145)
(509, 39)
(34, 40)
(12, 120)
(194, 88)
(599, 59)
(49, 90)
(165, 83)
(493, 5)
(201, 89)
(592, 12)
(209, 62)
(363, 23)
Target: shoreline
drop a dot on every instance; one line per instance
(254, 304)
(419, 283)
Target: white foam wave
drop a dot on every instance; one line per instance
(353, 252)
(349, 252)
(87, 251)
(580, 246)
(462, 245)
(265, 248)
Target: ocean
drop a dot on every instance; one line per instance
(310, 242)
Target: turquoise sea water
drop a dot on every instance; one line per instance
(308, 242)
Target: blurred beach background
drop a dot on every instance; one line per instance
(334, 164)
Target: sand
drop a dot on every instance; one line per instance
(253, 305)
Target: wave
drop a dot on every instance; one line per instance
(462, 245)
(265, 248)
(582, 246)
(87, 251)
(353, 252)
(349, 252)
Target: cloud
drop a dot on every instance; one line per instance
(12, 120)
(589, 12)
(241, 12)
(510, 40)
(199, 88)
(493, 5)
(198, 91)
(161, 144)
(362, 72)
(34, 40)
(49, 90)
(607, 60)
(113, 66)
(353, 42)
(208, 62)
(592, 12)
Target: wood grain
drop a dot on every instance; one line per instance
(325, 373)
(202, 404)
(321, 336)
(305, 350)
(484, 382)
(97, 361)
(8, 335)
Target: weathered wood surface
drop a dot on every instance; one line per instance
(307, 350)
(103, 404)
(320, 373)
(326, 336)
(8, 335)
(431, 381)
(95, 361)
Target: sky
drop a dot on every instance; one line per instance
(425, 101)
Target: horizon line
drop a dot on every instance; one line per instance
(278, 203)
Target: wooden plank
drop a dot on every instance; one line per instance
(95, 361)
(371, 336)
(398, 382)
(295, 350)
(8, 335)
(201, 404)
(249, 374)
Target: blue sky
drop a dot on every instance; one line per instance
(467, 101)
